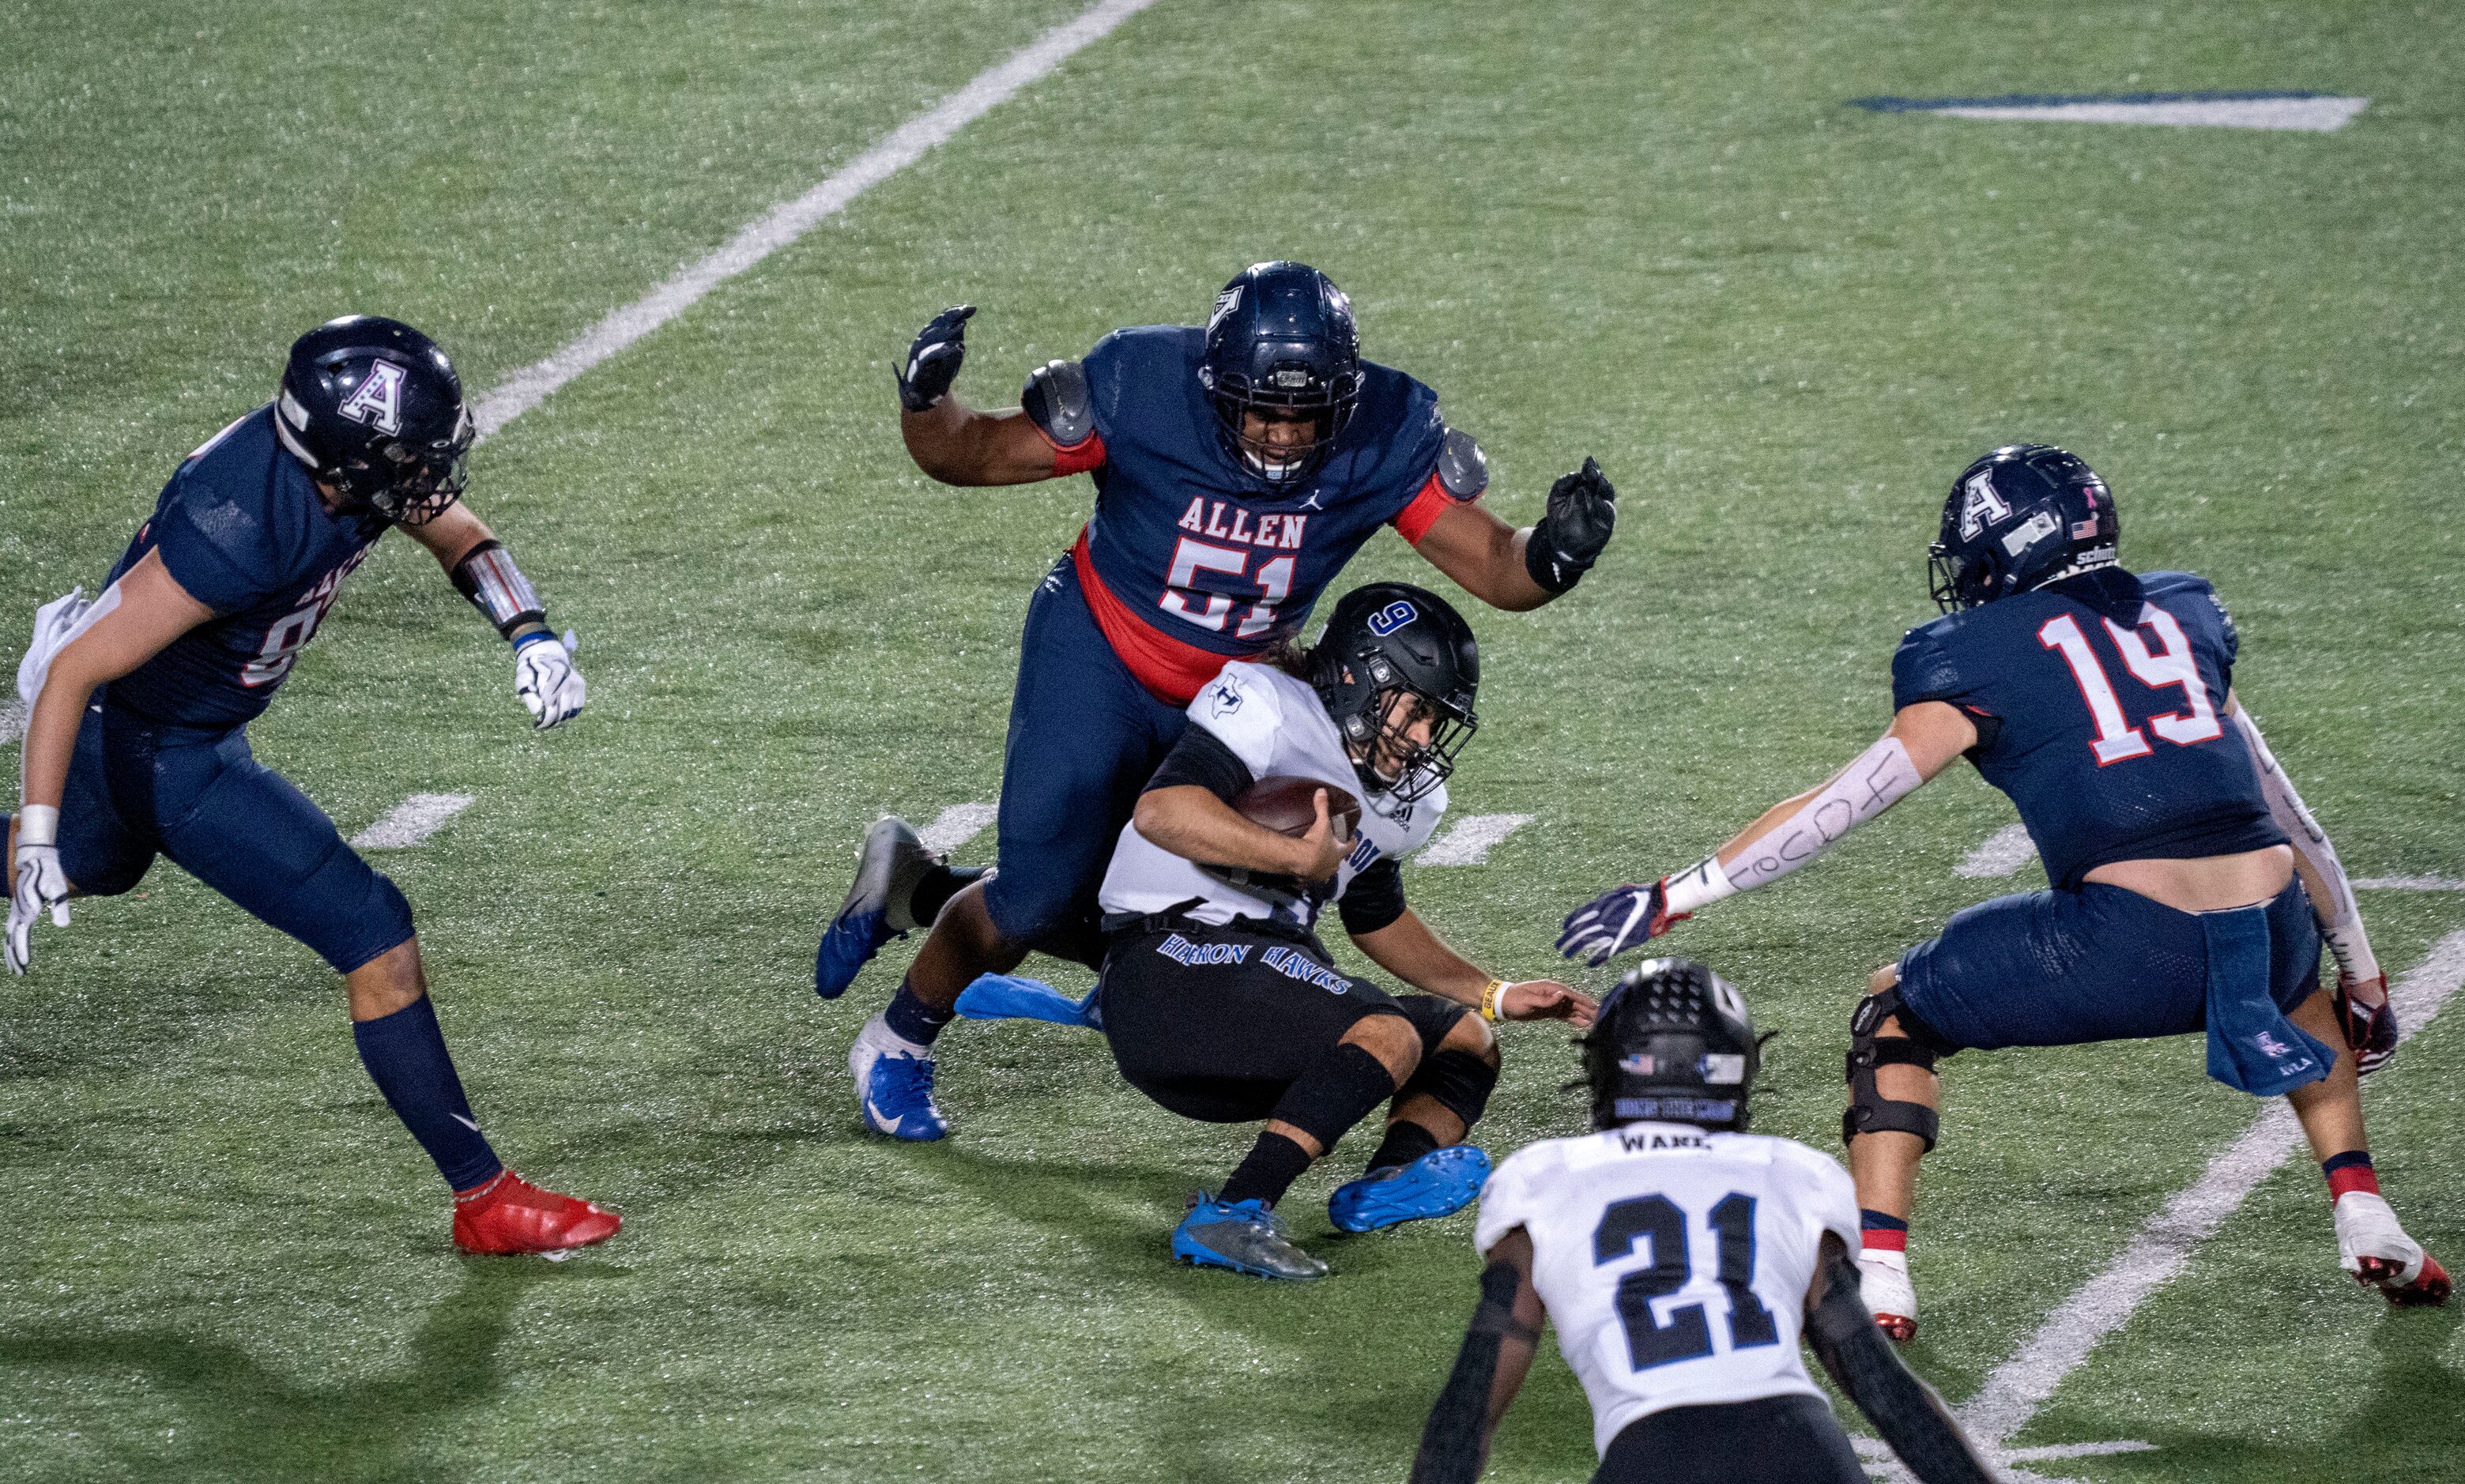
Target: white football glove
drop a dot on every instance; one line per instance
(546, 679)
(41, 884)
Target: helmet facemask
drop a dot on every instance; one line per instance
(1405, 743)
(1257, 414)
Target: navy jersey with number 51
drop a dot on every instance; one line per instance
(2099, 704)
(1189, 560)
(240, 527)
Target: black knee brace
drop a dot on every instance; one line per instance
(1869, 1111)
(1326, 1101)
(1461, 1081)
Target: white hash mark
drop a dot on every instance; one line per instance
(1471, 840)
(901, 148)
(957, 824)
(2305, 115)
(2005, 851)
(413, 820)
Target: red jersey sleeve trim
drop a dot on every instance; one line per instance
(1088, 452)
(1414, 520)
(1173, 672)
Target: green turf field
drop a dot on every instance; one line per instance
(1656, 234)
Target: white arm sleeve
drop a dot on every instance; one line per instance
(2340, 919)
(1866, 787)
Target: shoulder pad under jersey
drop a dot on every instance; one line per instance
(1058, 401)
(1463, 469)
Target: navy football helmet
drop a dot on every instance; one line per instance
(1282, 344)
(1388, 638)
(1673, 1043)
(375, 410)
(2021, 517)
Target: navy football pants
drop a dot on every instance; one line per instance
(2101, 963)
(137, 789)
(1084, 738)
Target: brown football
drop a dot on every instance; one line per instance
(1285, 806)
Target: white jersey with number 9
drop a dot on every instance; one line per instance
(1674, 1262)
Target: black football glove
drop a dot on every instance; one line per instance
(1582, 512)
(934, 360)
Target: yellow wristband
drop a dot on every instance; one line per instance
(1489, 1000)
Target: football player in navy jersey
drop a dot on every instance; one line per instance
(2190, 886)
(135, 744)
(1237, 469)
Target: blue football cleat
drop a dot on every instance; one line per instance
(893, 860)
(1246, 1237)
(894, 1081)
(1016, 997)
(1438, 1183)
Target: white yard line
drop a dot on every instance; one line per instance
(2005, 851)
(2165, 1245)
(413, 820)
(13, 720)
(2410, 884)
(1471, 840)
(957, 824)
(901, 148)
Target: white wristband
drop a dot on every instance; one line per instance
(1697, 886)
(39, 824)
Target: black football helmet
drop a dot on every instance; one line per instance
(375, 410)
(1282, 343)
(1392, 637)
(1673, 1043)
(2017, 519)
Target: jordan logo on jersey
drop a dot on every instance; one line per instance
(378, 400)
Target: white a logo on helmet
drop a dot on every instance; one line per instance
(1225, 303)
(1981, 507)
(378, 400)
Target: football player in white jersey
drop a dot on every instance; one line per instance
(1217, 997)
(1682, 1260)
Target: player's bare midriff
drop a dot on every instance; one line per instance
(2208, 883)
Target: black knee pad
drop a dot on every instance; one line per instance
(1869, 1110)
(1337, 1093)
(1461, 1081)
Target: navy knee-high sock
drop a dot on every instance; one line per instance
(406, 1058)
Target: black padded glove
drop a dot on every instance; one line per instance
(1582, 512)
(934, 360)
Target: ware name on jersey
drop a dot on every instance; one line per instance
(1189, 559)
(1278, 728)
(2099, 704)
(241, 529)
(1674, 1262)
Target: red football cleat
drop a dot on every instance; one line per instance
(2429, 1289)
(509, 1215)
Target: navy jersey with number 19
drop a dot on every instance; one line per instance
(2099, 704)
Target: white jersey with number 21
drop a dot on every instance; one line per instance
(1674, 1261)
